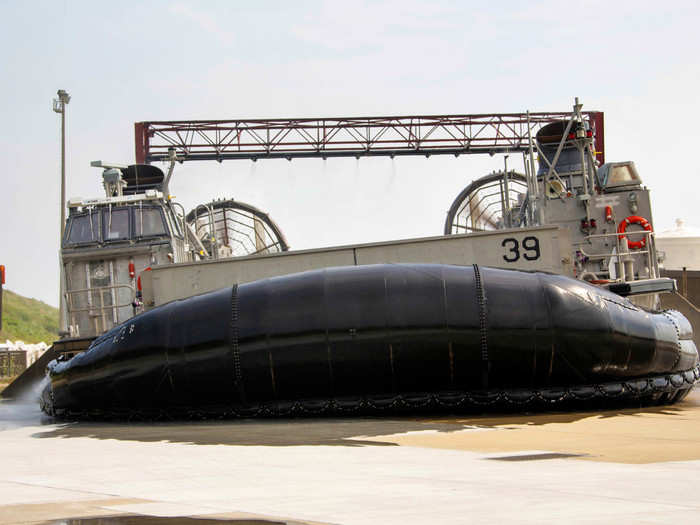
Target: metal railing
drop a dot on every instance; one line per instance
(98, 313)
(623, 252)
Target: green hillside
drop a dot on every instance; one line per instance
(27, 320)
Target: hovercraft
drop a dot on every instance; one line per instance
(379, 338)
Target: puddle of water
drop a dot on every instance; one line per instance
(156, 520)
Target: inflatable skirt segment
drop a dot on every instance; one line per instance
(380, 337)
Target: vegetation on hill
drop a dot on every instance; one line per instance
(27, 320)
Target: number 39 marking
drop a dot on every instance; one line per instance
(530, 246)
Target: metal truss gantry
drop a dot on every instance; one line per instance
(255, 139)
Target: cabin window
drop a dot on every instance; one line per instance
(149, 222)
(84, 228)
(116, 224)
(623, 175)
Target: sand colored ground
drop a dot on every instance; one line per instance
(647, 435)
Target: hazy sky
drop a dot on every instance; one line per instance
(125, 61)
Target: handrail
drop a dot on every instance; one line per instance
(101, 290)
(98, 313)
(653, 270)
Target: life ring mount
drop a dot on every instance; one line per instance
(634, 219)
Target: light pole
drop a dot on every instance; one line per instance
(59, 106)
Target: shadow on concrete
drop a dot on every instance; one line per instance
(333, 431)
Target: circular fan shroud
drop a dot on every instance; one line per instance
(239, 228)
(478, 206)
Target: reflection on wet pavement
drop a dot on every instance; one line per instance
(622, 434)
(285, 432)
(352, 432)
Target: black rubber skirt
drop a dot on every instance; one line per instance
(379, 337)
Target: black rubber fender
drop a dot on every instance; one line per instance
(378, 337)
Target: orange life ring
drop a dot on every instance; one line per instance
(634, 219)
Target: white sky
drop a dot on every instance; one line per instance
(130, 61)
